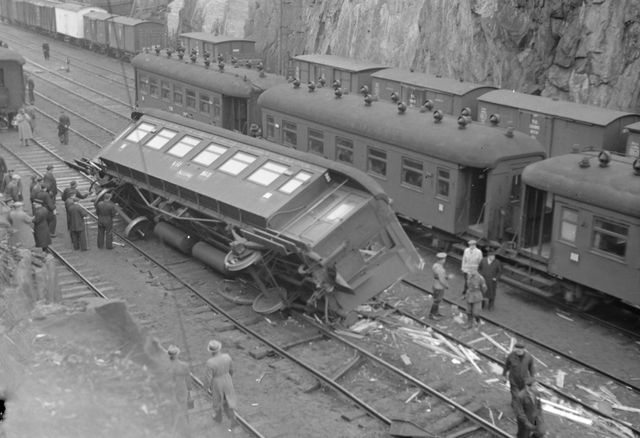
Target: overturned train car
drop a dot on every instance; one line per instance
(303, 227)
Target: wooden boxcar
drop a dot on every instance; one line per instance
(633, 140)
(462, 180)
(448, 95)
(19, 17)
(70, 20)
(41, 15)
(227, 99)
(559, 125)
(351, 73)
(583, 219)
(11, 84)
(129, 36)
(228, 47)
(96, 29)
(8, 11)
(318, 226)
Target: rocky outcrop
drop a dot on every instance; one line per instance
(581, 50)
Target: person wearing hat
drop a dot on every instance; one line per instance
(106, 211)
(440, 283)
(67, 195)
(528, 409)
(77, 229)
(22, 233)
(476, 288)
(491, 269)
(48, 202)
(471, 258)
(63, 127)
(3, 171)
(220, 383)
(180, 376)
(6, 179)
(5, 226)
(13, 191)
(40, 224)
(50, 184)
(517, 368)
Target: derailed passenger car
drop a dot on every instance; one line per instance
(303, 227)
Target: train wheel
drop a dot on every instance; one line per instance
(270, 301)
(139, 228)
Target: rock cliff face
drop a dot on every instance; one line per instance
(581, 50)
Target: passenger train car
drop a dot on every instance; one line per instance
(582, 219)
(457, 177)
(12, 85)
(303, 227)
(225, 98)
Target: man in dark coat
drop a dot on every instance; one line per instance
(45, 51)
(44, 196)
(30, 88)
(76, 225)
(528, 410)
(517, 368)
(106, 210)
(50, 183)
(3, 171)
(34, 188)
(41, 226)
(491, 270)
(63, 127)
(6, 179)
(13, 191)
(67, 196)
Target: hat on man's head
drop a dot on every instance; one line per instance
(173, 350)
(49, 167)
(214, 346)
(73, 183)
(472, 242)
(441, 255)
(519, 345)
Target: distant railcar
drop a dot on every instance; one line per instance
(448, 95)
(350, 73)
(130, 36)
(325, 231)
(12, 85)
(70, 20)
(41, 15)
(116, 7)
(581, 217)
(460, 178)
(227, 99)
(96, 30)
(560, 126)
(633, 140)
(242, 49)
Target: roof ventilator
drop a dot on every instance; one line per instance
(604, 157)
(437, 116)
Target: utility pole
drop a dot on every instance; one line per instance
(280, 66)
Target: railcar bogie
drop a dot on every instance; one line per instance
(283, 217)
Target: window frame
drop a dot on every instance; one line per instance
(342, 147)
(372, 159)
(154, 87)
(446, 180)
(208, 151)
(178, 91)
(598, 230)
(235, 158)
(143, 81)
(267, 173)
(416, 167)
(315, 137)
(564, 220)
(270, 122)
(184, 143)
(165, 86)
(191, 98)
(204, 103)
(289, 129)
(159, 135)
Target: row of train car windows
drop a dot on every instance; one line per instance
(412, 174)
(181, 96)
(607, 235)
(265, 175)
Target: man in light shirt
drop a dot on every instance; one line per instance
(471, 258)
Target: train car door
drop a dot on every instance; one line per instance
(536, 222)
(477, 199)
(234, 113)
(537, 126)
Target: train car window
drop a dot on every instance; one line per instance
(344, 150)
(217, 107)
(191, 99)
(161, 138)
(271, 128)
(184, 146)
(153, 87)
(290, 133)
(139, 133)
(412, 173)
(610, 237)
(295, 182)
(316, 141)
(268, 173)
(568, 225)
(377, 162)
(177, 95)
(165, 90)
(237, 163)
(210, 154)
(205, 104)
(516, 187)
(144, 84)
(444, 180)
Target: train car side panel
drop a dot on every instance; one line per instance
(12, 84)
(149, 34)
(633, 140)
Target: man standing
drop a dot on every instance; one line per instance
(6, 179)
(40, 226)
(63, 127)
(491, 270)
(517, 368)
(180, 377)
(440, 283)
(21, 224)
(105, 210)
(476, 288)
(45, 51)
(50, 183)
(220, 383)
(3, 171)
(13, 191)
(48, 202)
(72, 190)
(30, 88)
(76, 225)
(471, 258)
(528, 410)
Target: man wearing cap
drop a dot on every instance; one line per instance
(491, 270)
(49, 183)
(440, 283)
(471, 258)
(220, 383)
(3, 171)
(476, 288)
(13, 191)
(67, 195)
(48, 202)
(40, 225)
(528, 410)
(76, 225)
(517, 368)
(63, 127)
(105, 210)
(180, 377)
(6, 179)
(22, 233)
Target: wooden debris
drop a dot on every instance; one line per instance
(487, 337)
(568, 415)
(470, 357)
(348, 333)
(475, 341)
(452, 347)
(412, 396)
(405, 359)
(437, 349)
(559, 406)
(564, 317)
(625, 408)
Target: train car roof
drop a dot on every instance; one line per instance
(428, 81)
(614, 187)
(234, 81)
(127, 21)
(475, 146)
(11, 55)
(100, 15)
(594, 115)
(635, 127)
(211, 38)
(348, 64)
(48, 3)
(210, 181)
(76, 7)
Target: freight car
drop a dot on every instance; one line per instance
(240, 204)
(242, 50)
(70, 21)
(226, 98)
(581, 218)
(12, 85)
(460, 178)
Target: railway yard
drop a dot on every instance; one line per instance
(92, 362)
